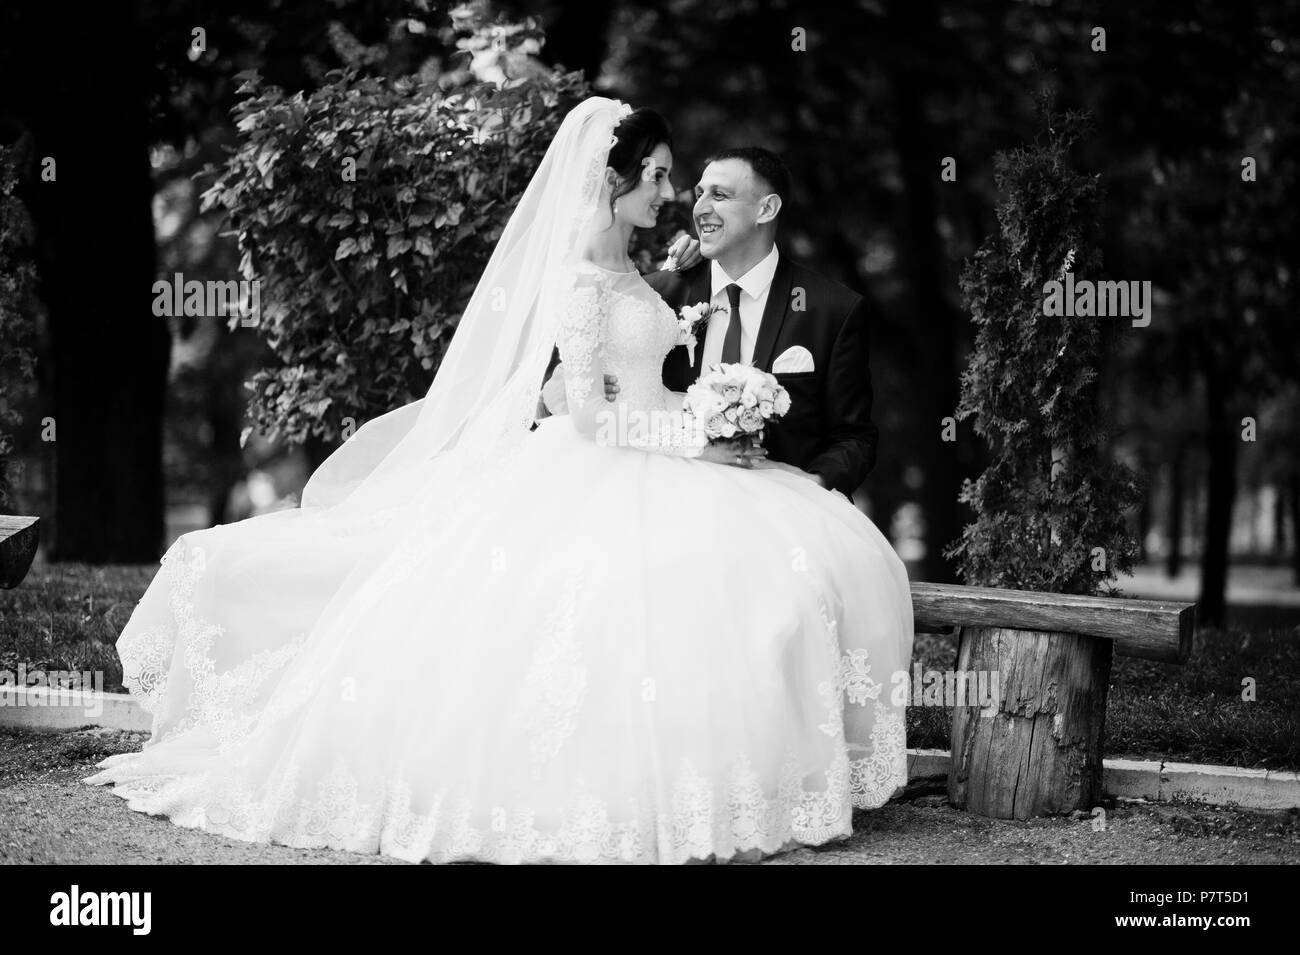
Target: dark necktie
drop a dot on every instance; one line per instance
(731, 343)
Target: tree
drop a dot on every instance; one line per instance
(78, 89)
(1050, 505)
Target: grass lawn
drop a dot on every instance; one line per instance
(67, 617)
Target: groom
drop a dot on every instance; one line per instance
(807, 330)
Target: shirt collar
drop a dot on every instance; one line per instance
(755, 282)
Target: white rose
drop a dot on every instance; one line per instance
(703, 402)
(781, 403)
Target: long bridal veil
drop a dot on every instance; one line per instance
(487, 386)
(217, 643)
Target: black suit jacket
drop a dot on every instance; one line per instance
(828, 429)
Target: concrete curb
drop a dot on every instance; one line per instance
(39, 708)
(927, 762)
(1165, 781)
(1201, 783)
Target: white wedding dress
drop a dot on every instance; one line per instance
(584, 654)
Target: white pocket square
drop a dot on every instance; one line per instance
(793, 360)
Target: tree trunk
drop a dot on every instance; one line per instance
(1222, 438)
(224, 408)
(1040, 751)
(923, 265)
(1279, 520)
(1144, 514)
(95, 246)
(1293, 493)
(1174, 559)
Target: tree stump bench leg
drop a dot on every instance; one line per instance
(1040, 751)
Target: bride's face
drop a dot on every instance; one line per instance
(640, 207)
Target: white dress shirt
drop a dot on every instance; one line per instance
(754, 286)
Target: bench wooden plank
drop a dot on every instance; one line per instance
(18, 539)
(1154, 629)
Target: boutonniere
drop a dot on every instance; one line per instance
(690, 319)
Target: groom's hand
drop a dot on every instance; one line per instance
(731, 451)
(683, 254)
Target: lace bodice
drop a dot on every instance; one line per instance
(614, 323)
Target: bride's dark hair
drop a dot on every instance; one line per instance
(637, 136)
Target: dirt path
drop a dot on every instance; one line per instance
(48, 816)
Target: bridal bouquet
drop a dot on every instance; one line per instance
(735, 400)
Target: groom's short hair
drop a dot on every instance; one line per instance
(767, 166)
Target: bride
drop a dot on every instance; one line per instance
(487, 638)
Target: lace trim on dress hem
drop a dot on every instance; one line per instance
(704, 818)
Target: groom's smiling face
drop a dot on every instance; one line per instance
(727, 200)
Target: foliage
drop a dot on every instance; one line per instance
(1049, 495)
(17, 321)
(363, 281)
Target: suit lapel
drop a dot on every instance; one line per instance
(700, 289)
(774, 313)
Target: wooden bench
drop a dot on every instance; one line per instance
(18, 539)
(1040, 752)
